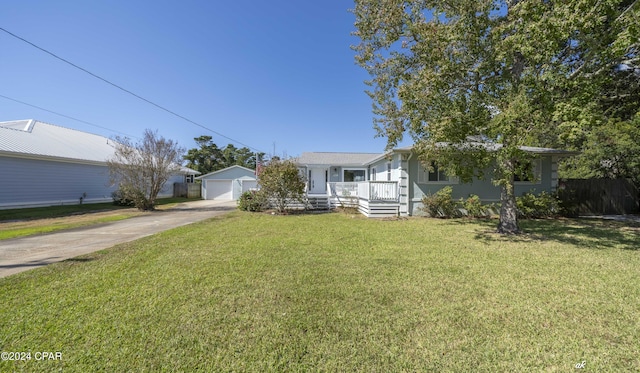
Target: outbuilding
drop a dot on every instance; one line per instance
(228, 183)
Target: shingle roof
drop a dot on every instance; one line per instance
(335, 159)
(495, 147)
(33, 138)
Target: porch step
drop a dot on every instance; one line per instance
(318, 203)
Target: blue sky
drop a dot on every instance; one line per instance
(260, 72)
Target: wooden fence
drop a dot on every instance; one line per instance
(599, 196)
(189, 190)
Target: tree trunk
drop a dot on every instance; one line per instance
(508, 212)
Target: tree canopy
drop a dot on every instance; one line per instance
(514, 72)
(208, 157)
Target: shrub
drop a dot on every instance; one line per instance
(281, 183)
(441, 204)
(474, 207)
(120, 199)
(252, 200)
(543, 205)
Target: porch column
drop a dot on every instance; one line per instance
(554, 173)
(403, 185)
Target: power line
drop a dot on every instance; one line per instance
(63, 115)
(125, 90)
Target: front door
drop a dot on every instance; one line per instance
(317, 181)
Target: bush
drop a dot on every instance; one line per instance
(474, 207)
(130, 196)
(281, 183)
(119, 199)
(543, 205)
(252, 200)
(440, 204)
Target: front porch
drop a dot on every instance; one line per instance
(371, 198)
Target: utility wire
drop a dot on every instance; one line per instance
(125, 90)
(63, 115)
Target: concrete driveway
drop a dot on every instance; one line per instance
(22, 254)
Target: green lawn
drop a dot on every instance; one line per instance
(49, 212)
(31, 221)
(334, 292)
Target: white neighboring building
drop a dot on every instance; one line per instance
(228, 183)
(43, 165)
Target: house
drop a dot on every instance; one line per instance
(43, 164)
(227, 184)
(394, 183)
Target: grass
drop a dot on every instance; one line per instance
(26, 222)
(49, 212)
(255, 292)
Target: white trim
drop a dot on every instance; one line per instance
(366, 173)
(53, 158)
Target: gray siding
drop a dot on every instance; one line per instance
(485, 189)
(38, 182)
(34, 182)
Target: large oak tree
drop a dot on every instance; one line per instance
(518, 72)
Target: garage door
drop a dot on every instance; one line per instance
(248, 185)
(219, 189)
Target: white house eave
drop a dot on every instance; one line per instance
(51, 158)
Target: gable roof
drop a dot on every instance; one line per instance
(335, 158)
(32, 138)
(228, 169)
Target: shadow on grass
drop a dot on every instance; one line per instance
(586, 233)
(79, 260)
(42, 262)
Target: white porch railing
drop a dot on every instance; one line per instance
(345, 189)
(368, 190)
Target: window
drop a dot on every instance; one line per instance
(433, 176)
(389, 171)
(188, 178)
(530, 172)
(373, 174)
(354, 175)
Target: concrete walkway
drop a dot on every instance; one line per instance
(22, 254)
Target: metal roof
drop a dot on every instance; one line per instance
(335, 159)
(34, 138)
